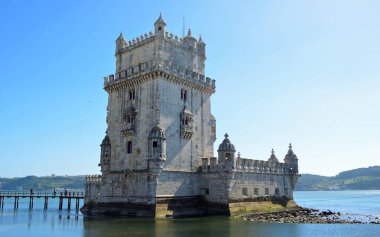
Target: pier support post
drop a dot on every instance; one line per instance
(77, 204)
(31, 199)
(16, 203)
(60, 201)
(69, 203)
(46, 203)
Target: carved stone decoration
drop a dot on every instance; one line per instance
(129, 121)
(186, 124)
(212, 125)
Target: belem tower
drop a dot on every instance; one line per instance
(157, 156)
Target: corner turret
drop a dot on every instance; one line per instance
(291, 160)
(160, 27)
(105, 155)
(120, 43)
(157, 149)
(201, 48)
(226, 155)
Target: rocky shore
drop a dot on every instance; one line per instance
(311, 216)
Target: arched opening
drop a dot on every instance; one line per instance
(129, 147)
(228, 156)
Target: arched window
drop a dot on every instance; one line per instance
(129, 147)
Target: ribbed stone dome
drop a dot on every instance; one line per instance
(290, 154)
(226, 145)
(273, 157)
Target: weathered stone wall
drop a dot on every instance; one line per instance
(145, 118)
(184, 154)
(251, 181)
(178, 184)
(132, 187)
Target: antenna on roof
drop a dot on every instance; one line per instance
(183, 27)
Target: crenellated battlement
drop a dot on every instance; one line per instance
(162, 66)
(135, 42)
(149, 37)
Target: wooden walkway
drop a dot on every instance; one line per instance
(69, 196)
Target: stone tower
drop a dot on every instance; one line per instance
(159, 82)
(157, 155)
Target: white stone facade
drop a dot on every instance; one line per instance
(160, 135)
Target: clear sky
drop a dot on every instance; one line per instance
(306, 72)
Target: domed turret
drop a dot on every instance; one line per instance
(201, 47)
(105, 154)
(290, 154)
(157, 143)
(273, 157)
(226, 145)
(189, 41)
(291, 160)
(120, 43)
(226, 155)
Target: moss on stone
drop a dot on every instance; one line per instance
(241, 208)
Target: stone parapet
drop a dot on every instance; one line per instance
(260, 166)
(136, 42)
(165, 68)
(93, 179)
(209, 165)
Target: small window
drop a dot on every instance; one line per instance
(228, 156)
(286, 191)
(132, 94)
(277, 191)
(159, 28)
(129, 147)
(183, 94)
(256, 191)
(266, 191)
(155, 144)
(244, 191)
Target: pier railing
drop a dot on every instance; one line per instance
(15, 195)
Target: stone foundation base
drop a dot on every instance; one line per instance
(119, 209)
(188, 207)
(180, 207)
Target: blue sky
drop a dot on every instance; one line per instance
(306, 72)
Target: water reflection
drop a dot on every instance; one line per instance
(207, 226)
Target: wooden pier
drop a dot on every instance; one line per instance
(62, 196)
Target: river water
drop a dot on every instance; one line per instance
(71, 223)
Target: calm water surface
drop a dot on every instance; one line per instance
(70, 223)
